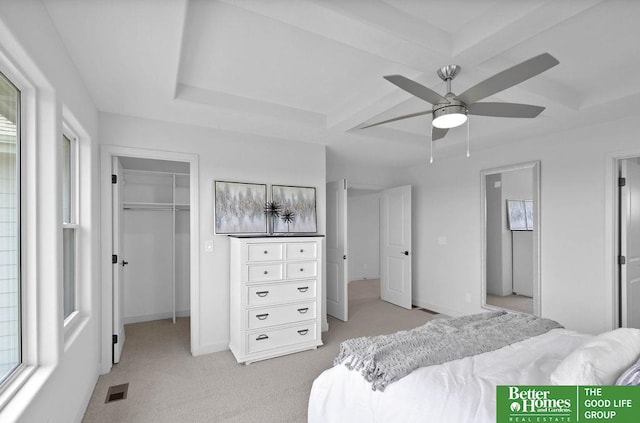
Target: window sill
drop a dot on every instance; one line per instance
(73, 326)
(14, 383)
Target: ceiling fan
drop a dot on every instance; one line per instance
(451, 110)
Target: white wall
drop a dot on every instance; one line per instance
(67, 362)
(358, 175)
(148, 248)
(230, 157)
(363, 241)
(149, 238)
(577, 289)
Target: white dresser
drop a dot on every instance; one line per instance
(275, 296)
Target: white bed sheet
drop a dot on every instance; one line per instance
(458, 391)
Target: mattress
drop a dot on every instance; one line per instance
(457, 391)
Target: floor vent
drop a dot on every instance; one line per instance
(117, 393)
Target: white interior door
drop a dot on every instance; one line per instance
(630, 242)
(337, 274)
(395, 246)
(118, 268)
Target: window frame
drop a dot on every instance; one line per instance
(25, 165)
(69, 322)
(6, 379)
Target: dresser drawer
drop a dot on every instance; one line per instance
(269, 339)
(281, 293)
(301, 250)
(264, 272)
(264, 252)
(278, 315)
(302, 269)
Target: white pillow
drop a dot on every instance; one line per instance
(631, 376)
(601, 360)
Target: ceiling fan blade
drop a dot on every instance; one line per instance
(419, 90)
(512, 110)
(508, 78)
(397, 118)
(438, 133)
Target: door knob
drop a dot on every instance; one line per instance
(406, 253)
(124, 263)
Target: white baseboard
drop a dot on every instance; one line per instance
(362, 278)
(157, 316)
(211, 348)
(437, 308)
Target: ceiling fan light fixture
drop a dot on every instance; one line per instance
(449, 116)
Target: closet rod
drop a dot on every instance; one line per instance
(138, 171)
(148, 208)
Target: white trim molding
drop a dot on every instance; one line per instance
(611, 230)
(537, 230)
(107, 152)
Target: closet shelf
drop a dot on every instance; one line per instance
(139, 205)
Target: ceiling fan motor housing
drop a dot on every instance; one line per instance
(454, 106)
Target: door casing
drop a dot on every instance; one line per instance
(107, 152)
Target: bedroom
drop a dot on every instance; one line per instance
(98, 69)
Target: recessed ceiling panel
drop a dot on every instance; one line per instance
(596, 50)
(232, 50)
(449, 15)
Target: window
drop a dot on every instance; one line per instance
(69, 221)
(10, 310)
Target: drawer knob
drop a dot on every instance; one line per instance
(303, 288)
(303, 331)
(263, 337)
(303, 310)
(265, 272)
(301, 250)
(262, 293)
(265, 251)
(302, 269)
(263, 316)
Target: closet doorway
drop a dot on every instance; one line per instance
(149, 225)
(153, 234)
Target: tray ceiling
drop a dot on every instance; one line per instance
(311, 70)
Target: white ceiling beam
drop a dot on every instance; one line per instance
(364, 106)
(329, 20)
(178, 55)
(372, 27)
(508, 24)
(386, 18)
(248, 105)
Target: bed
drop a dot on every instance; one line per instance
(463, 390)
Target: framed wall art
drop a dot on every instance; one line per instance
(520, 215)
(301, 203)
(239, 207)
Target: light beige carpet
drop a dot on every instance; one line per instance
(167, 384)
(512, 302)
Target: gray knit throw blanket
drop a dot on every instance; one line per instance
(384, 359)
